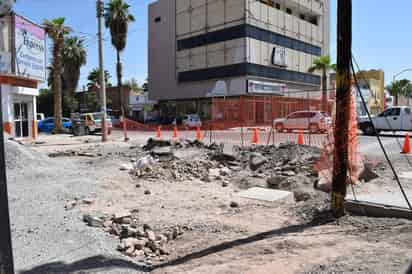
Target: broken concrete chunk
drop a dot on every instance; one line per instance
(150, 235)
(93, 221)
(276, 181)
(256, 160)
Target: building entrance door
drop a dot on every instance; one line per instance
(21, 120)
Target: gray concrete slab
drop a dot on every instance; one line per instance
(391, 205)
(388, 199)
(267, 195)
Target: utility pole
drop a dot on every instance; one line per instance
(341, 162)
(6, 251)
(100, 10)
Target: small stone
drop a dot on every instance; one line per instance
(225, 183)
(234, 204)
(70, 205)
(138, 185)
(126, 220)
(130, 242)
(276, 181)
(93, 221)
(225, 171)
(214, 172)
(150, 235)
(140, 244)
(162, 239)
(120, 215)
(153, 245)
(256, 160)
(107, 223)
(140, 232)
(163, 251)
(88, 201)
(147, 192)
(116, 229)
(146, 227)
(131, 232)
(130, 251)
(138, 253)
(288, 173)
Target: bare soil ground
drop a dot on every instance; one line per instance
(251, 237)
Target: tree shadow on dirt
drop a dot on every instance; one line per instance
(322, 218)
(94, 263)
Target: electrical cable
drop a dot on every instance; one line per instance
(379, 138)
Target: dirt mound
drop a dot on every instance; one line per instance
(19, 156)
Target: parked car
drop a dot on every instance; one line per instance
(191, 121)
(93, 122)
(392, 119)
(314, 121)
(47, 124)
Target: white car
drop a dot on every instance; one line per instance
(392, 119)
(314, 121)
(192, 121)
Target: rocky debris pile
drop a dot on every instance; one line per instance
(137, 240)
(181, 161)
(74, 153)
(286, 167)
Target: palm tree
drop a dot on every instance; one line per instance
(117, 18)
(94, 78)
(74, 56)
(56, 30)
(323, 64)
(398, 88)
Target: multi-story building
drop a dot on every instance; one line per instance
(199, 49)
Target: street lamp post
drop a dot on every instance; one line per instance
(6, 251)
(394, 79)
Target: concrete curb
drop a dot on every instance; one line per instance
(377, 210)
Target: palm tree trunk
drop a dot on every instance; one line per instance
(119, 84)
(396, 99)
(324, 92)
(57, 86)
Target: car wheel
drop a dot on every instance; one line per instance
(314, 128)
(368, 130)
(279, 128)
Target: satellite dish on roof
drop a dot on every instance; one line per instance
(5, 6)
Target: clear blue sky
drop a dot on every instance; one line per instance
(381, 34)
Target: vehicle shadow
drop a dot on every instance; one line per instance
(322, 219)
(95, 264)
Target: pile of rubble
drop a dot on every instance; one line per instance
(178, 161)
(136, 240)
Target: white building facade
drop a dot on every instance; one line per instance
(22, 55)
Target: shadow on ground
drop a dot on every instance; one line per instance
(96, 264)
(322, 219)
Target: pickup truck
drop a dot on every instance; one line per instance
(392, 119)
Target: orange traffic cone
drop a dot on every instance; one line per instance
(407, 145)
(159, 134)
(198, 134)
(255, 136)
(175, 135)
(300, 138)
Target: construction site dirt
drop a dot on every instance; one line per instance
(180, 207)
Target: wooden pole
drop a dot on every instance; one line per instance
(340, 164)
